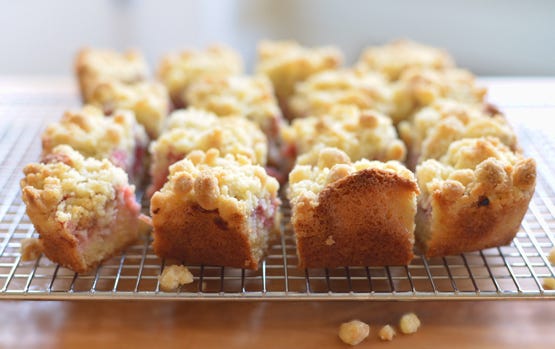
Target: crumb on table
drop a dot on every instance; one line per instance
(353, 332)
(174, 276)
(31, 249)
(551, 256)
(409, 323)
(549, 283)
(387, 333)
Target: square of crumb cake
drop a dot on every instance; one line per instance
(418, 88)
(362, 134)
(179, 70)
(251, 97)
(148, 100)
(286, 63)
(430, 131)
(95, 65)
(398, 56)
(351, 214)
(118, 138)
(320, 92)
(215, 210)
(83, 209)
(195, 129)
(248, 96)
(473, 198)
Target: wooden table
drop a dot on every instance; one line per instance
(491, 324)
(207, 324)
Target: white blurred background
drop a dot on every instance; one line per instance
(495, 37)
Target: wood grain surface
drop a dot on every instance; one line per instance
(497, 324)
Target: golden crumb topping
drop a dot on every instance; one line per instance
(93, 134)
(174, 276)
(194, 129)
(230, 184)
(548, 284)
(287, 62)
(248, 96)
(361, 134)
(422, 87)
(431, 130)
(398, 56)
(479, 166)
(353, 332)
(31, 249)
(551, 256)
(409, 323)
(387, 333)
(320, 92)
(324, 165)
(178, 70)
(95, 65)
(148, 100)
(81, 192)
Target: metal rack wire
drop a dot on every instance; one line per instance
(514, 271)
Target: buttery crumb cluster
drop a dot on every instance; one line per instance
(286, 63)
(320, 92)
(356, 331)
(245, 96)
(323, 166)
(231, 184)
(365, 134)
(148, 100)
(80, 190)
(94, 65)
(194, 129)
(179, 70)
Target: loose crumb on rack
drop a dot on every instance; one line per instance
(549, 284)
(409, 323)
(387, 333)
(353, 332)
(551, 256)
(174, 276)
(31, 249)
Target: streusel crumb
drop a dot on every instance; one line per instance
(322, 166)
(31, 249)
(92, 134)
(95, 65)
(409, 323)
(286, 63)
(398, 56)
(320, 92)
(387, 333)
(174, 276)
(231, 184)
(148, 100)
(353, 332)
(552, 256)
(363, 134)
(179, 70)
(549, 284)
(246, 96)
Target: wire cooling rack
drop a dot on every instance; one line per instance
(514, 271)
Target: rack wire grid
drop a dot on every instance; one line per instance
(514, 271)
